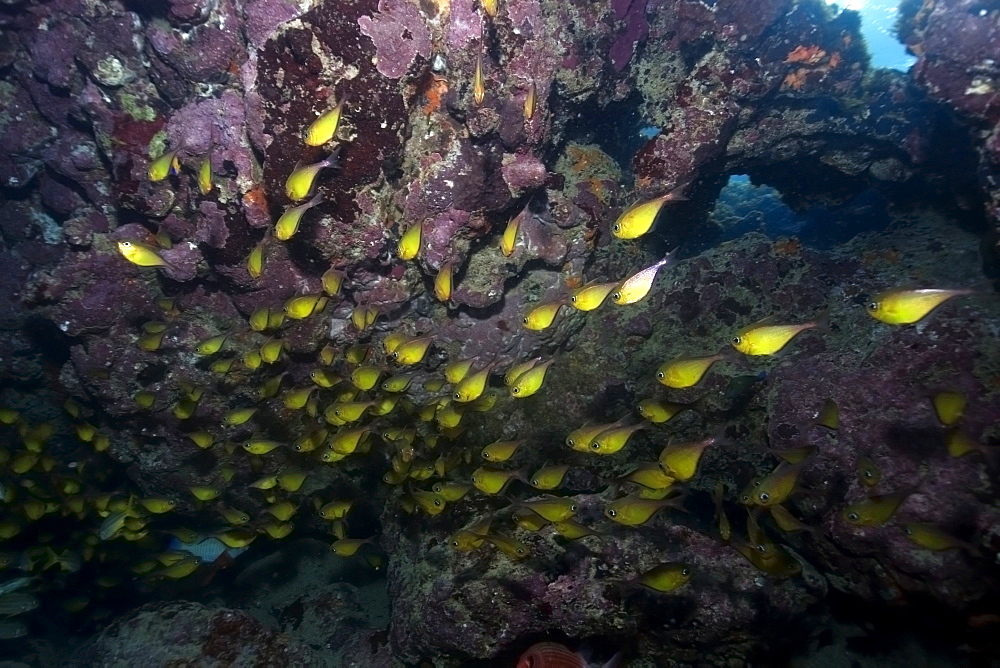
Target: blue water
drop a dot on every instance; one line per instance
(878, 20)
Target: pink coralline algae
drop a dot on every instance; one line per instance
(400, 35)
(636, 29)
(523, 173)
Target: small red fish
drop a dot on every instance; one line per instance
(554, 655)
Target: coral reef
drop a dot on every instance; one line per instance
(213, 376)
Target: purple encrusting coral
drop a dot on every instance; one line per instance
(93, 93)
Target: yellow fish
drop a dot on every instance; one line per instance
(409, 243)
(300, 181)
(455, 371)
(875, 511)
(681, 461)
(591, 295)
(770, 558)
(211, 345)
(412, 351)
(686, 371)
(205, 184)
(258, 319)
(868, 472)
(949, 407)
(492, 481)
(514, 549)
(633, 511)
(473, 385)
(451, 490)
(542, 316)
(470, 538)
(490, 7)
(517, 370)
(204, 493)
(658, 412)
(323, 129)
(613, 439)
(665, 578)
(429, 502)
(500, 451)
(478, 82)
(528, 520)
(530, 381)
(348, 411)
(332, 279)
(637, 286)
(580, 439)
(158, 506)
(397, 383)
(288, 222)
(508, 240)
(443, 282)
(164, 165)
(650, 476)
(141, 255)
(776, 487)
(960, 444)
(934, 538)
(303, 306)
(549, 477)
(904, 306)
(763, 338)
(260, 446)
(529, 101)
(829, 415)
(787, 522)
(725, 528)
(638, 219)
(552, 508)
(348, 547)
(296, 399)
(573, 530)
(238, 416)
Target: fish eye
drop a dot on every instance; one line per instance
(458, 395)
(660, 375)
(872, 306)
(869, 474)
(486, 455)
(595, 445)
(520, 550)
(127, 244)
(612, 512)
(764, 496)
(617, 227)
(854, 517)
(617, 296)
(534, 483)
(745, 498)
(437, 487)
(525, 320)
(326, 456)
(761, 548)
(570, 442)
(737, 340)
(454, 543)
(573, 508)
(685, 571)
(515, 390)
(395, 355)
(908, 531)
(437, 502)
(573, 299)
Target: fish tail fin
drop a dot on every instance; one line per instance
(333, 160)
(821, 322)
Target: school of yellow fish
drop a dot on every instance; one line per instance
(377, 399)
